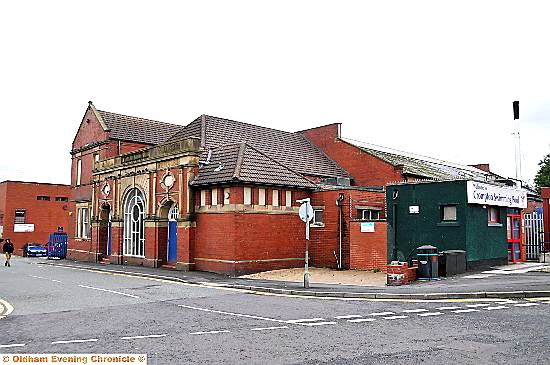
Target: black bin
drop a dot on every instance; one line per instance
(428, 268)
(452, 262)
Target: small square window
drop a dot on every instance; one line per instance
(43, 197)
(493, 215)
(448, 213)
(368, 214)
(318, 217)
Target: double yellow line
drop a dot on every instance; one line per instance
(5, 308)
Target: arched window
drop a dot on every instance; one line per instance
(134, 227)
(174, 213)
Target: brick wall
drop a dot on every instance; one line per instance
(368, 250)
(237, 243)
(399, 273)
(325, 239)
(366, 169)
(45, 215)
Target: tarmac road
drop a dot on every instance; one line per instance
(68, 310)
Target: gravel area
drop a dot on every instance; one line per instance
(324, 276)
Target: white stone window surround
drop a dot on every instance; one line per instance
(275, 201)
(261, 196)
(247, 196)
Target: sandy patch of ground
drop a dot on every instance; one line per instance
(324, 276)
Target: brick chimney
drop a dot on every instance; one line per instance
(482, 166)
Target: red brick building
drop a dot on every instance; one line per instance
(30, 212)
(215, 195)
(220, 195)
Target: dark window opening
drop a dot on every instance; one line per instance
(369, 214)
(493, 216)
(61, 199)
(317, 217)
(43, 197)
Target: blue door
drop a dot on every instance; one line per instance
(172, 241)
(109, 234)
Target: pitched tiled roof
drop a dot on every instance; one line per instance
(240, 162)
(135, 129)
(421, 166)
(292, 150)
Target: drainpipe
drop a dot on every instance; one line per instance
(394, 220)
(339, 204)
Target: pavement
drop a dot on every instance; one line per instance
(525, 280)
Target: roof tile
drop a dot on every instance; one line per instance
(292, 150)
(140, 130)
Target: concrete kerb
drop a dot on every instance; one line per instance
(334, 294)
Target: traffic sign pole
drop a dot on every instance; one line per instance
(306, 215)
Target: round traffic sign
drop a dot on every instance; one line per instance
(305, 212)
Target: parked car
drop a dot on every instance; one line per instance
(34, 249)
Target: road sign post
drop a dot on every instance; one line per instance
(306, 215)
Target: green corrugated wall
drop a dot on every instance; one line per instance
(470, 232)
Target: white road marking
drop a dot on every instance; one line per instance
(305, 320)
(208, 332)
(477, 305)
(381, 314)
(414, 310)
(56, 281)
(268, 328)
(145, 336)
(316, 323)
(478, 276)
(447, 308)
(466, 311)
(232, 314)
(495, 308)
(109, 291)
(396, 317)
(430, 314)
(36, 277)
(349, 316)
(75, 341)
(13, 345)
(525, 304)
(7, 306)
(361, 320)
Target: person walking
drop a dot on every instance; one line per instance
(8, 250)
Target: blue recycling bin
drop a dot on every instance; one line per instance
(57, 245)
(428, 264)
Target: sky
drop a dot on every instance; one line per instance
(435, 78)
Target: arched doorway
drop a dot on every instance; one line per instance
(104, 237)
(172, 251)
(134, 224)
